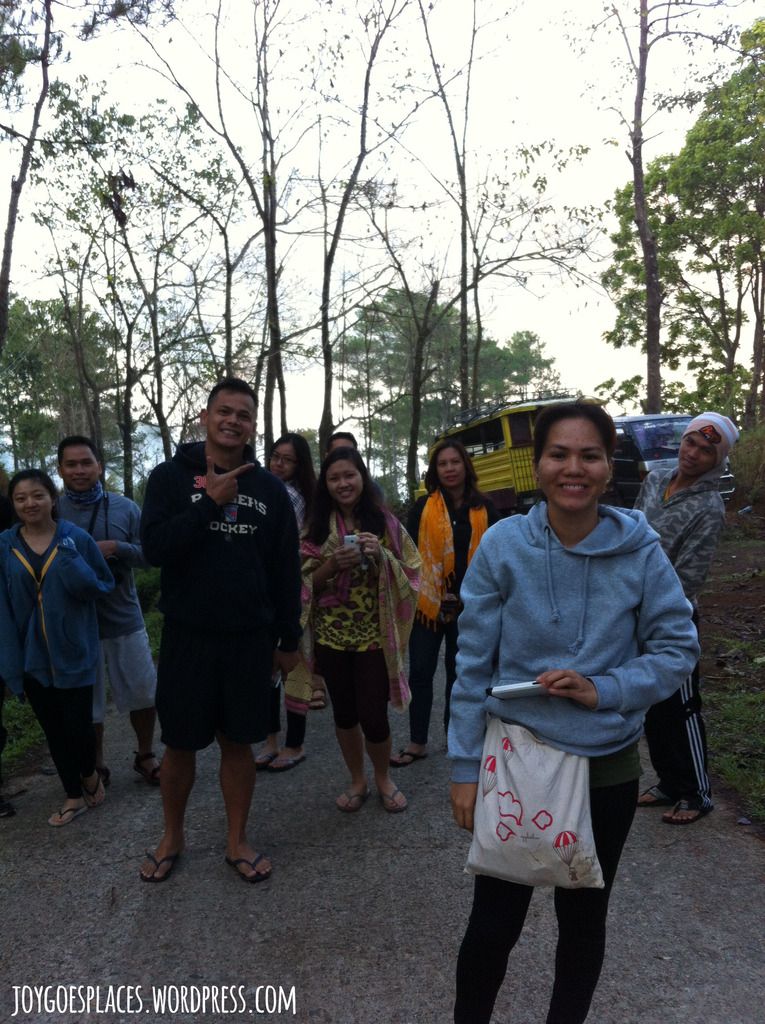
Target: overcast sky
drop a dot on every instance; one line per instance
(544, 78)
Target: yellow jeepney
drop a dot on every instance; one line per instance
(499, 439)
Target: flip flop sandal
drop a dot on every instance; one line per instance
(657, 798)
(259, 876)
(264, 760)
(398, 763)
(684, 805)
(318, 699)
(388, 800)
(287, 763)
(94, 797)
(149, 775)
(171, 859)
(353, 802)
(66, 816)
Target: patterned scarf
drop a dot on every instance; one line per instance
(436, 545)
(397, 583)
(89, 497)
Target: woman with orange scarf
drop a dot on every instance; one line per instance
(446, 526)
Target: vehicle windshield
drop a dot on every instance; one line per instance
(660, 438)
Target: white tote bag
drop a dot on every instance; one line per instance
(532, 815)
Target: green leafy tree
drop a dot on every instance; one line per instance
(41, 394)
(642, 26)
(708, 216)
(380, 363)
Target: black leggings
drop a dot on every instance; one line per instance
(66, 717)
(499, 911)
(358, 688)
(295, 723)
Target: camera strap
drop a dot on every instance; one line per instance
(94, 514)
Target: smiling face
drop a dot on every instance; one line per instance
(33, 503)
(345, 485)
(79, 468)
(450, 470)
(696, 455)
(283, 461)
(229, 421)
(573, 471)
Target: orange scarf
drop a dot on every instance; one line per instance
(435, 541)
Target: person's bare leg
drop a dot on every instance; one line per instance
(176, 782)
(237, 783)
(379, 755)
(143, 721)
(351, 744)
(268, 751)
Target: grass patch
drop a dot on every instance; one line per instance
(729, 648)
(731, 577)
(153, 620)
(737, 745)
(24, 733)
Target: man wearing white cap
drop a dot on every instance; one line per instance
(684, 506)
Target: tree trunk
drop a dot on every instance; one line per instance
(17, 183)
(758, 360)
(653, 293)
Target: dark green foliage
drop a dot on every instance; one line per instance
(707, 206)
(147, 585)
(24, 732)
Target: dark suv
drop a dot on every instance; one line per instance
(644, 443)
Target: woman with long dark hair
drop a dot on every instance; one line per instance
(580, 598)
(360, 574)
(446, 526)
(290, 460)
(51, 573)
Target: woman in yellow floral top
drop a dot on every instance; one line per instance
(360, 577)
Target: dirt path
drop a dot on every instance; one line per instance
(362, 919)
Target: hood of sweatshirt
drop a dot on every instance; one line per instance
(619, 531)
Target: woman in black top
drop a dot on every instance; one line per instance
(446, 525)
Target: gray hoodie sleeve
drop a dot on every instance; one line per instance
(480, 619)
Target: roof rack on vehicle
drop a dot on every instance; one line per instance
(465, 416)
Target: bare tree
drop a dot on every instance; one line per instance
(459, 148)
(659, 21)
(377, 21)
(17, 183)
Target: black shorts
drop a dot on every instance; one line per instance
(210, 682)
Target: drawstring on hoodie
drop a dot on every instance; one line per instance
(576, 646)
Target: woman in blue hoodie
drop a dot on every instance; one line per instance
(50, 576)
(581, 598)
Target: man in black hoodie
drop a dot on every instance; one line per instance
(224, 533)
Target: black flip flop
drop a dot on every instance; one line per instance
(259, 876)
(406, 753)
(171, 859)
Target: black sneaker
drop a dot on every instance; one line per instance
(7, 810)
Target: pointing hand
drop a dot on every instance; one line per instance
(222, 487)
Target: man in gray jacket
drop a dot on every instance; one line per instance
(684, 506)
(113, 521)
